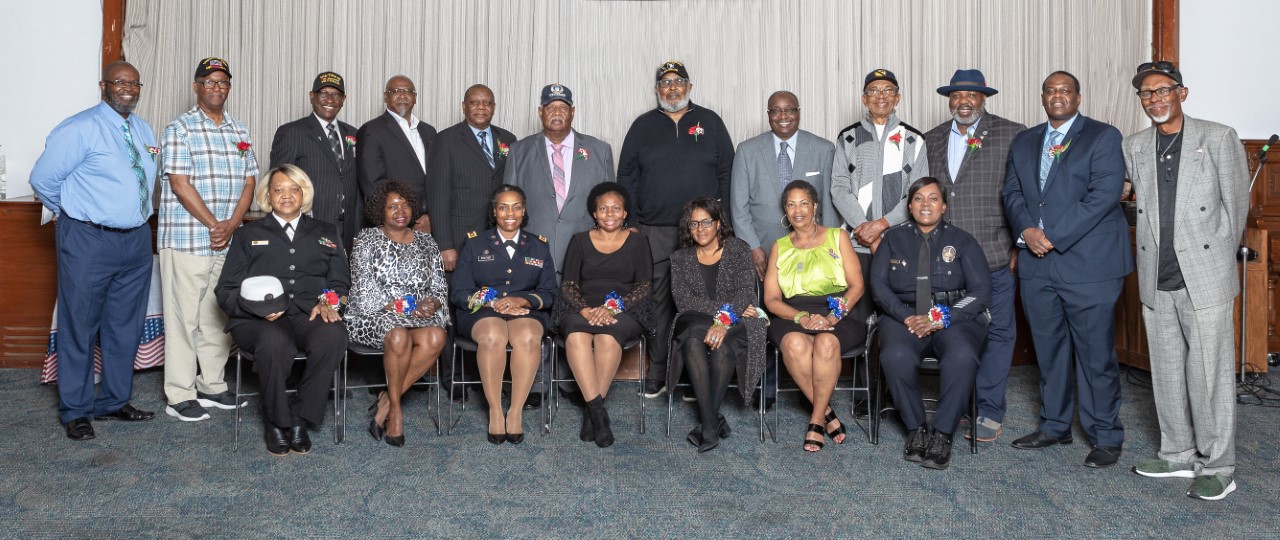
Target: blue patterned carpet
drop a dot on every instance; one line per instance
(167, 479)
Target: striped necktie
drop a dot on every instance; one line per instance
(557, 175)
(484, 146)
(136, 159)
(1046, 157)
(334, 143)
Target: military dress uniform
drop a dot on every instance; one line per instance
(958, 278)
(483, 262)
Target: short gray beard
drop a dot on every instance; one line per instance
(976, 116)
(1160, 119)
(677, 107)
(124, 109)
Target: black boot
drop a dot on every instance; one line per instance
(938, 455)
(588, 431)
(917, 443)
(600, 421)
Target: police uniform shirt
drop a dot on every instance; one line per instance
(958, 264)
(523, 270)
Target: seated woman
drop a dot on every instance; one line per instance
(713, 282)
(932, 282)
(812, 281)
(307, 258)
(503, 287)
(396, 300)
(604, 302)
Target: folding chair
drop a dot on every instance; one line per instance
(557, 345)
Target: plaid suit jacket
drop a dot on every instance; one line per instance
(974, 203)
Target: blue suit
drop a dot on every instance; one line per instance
(1069, 295)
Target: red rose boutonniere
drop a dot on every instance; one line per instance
(582, 154)
(696, 131)
(154, 151)
(1058, 149)
(503, 149)
(351, 141)
(896, 139)
(974, 143)
(243, 147)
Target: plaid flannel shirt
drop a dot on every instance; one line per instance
(209, 155)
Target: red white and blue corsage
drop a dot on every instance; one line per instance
(330, 299)
(940, 316)
(613, 302)
(725, 316)
(838, 305)
(406, 305)
(481, 297)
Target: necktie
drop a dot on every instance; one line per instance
(136, 160)
(924, 292)
(334, 143)
(784, 165)
(557, 175)
(484, 146)
(288, 231)
(510, 246)
(1046, 157)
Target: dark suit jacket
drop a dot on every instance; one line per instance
(461, 182)
(1080, 204)
(312, 262)
(303, 142)
(528, 167)
(385, 153)
(974, 200)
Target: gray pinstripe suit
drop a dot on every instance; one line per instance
(1190, 331)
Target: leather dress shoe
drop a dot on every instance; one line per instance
(79, 429)
(277, 442)
(1102, 457)
(299, 441)
(496, 439)
(127, 413)
(1038, 440)
(534, 401)
(917, 443)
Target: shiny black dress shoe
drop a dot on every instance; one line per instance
(494, 439)
(127, 413)
(534, 401)
(938, 455)
(277, 441)
(299, 441)
(395, 440)
(1102, 457)
(515, 438)
(79, 429)
(1038, 440)
(376, 430)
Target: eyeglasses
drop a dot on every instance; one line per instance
(887, 91)
(780, 112)
(209, 85)
(1050, 92)
(402, 91)
(339, 96)
(120, 83)
(668, 83)
(704, 224)
(1163, 91)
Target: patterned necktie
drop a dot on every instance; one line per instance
(784, 165)
(334, 143)
(1046, 157)
(136, 159)
(557, 175)
(924, 292)
(484, 146)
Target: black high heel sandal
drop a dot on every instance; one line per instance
(814, 428)
(837, 432)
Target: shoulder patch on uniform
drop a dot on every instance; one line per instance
(471, 234)
(543, 238)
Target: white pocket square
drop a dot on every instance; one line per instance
(812, 173)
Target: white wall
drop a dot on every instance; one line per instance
(1227, 60)
(52, 59)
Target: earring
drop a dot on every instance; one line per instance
(785, 224)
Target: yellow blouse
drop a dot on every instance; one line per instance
(816, 271)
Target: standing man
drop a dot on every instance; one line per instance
(96, 174)
(557, 168)
(210, 169)
(764, 164)
(969, 155)
(395, 145)
(325, 149)
(876, 159)
(466, 165)
(1062, 196)
(1192, 183)
(663, 168)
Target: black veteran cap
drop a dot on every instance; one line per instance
(328, 78)
(672, 66)
(1156, 68)
(880, 75)
(556, 92)
(210, 65)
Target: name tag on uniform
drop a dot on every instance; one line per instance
(533, 262)
(484, 258)
(260, 242)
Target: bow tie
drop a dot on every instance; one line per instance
(509, 243)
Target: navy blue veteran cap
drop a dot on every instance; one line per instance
(328, 78)
(556, 92)
(880, 75)
(210, 65)
(672, 66)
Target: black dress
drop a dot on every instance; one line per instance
(590, 275)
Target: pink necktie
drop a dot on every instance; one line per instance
(557, 174)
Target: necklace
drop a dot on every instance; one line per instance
(1164, 155)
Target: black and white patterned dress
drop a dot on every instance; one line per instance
(383, 270)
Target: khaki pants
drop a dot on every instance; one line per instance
(193, 326)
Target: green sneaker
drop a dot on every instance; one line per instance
(1214, 487)
(1159, 468)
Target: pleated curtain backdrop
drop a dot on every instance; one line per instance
(606, 51)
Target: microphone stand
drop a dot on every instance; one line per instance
(1246, 255)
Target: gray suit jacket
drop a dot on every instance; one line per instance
(756, 193)
(1213, 199)
(528, 168)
